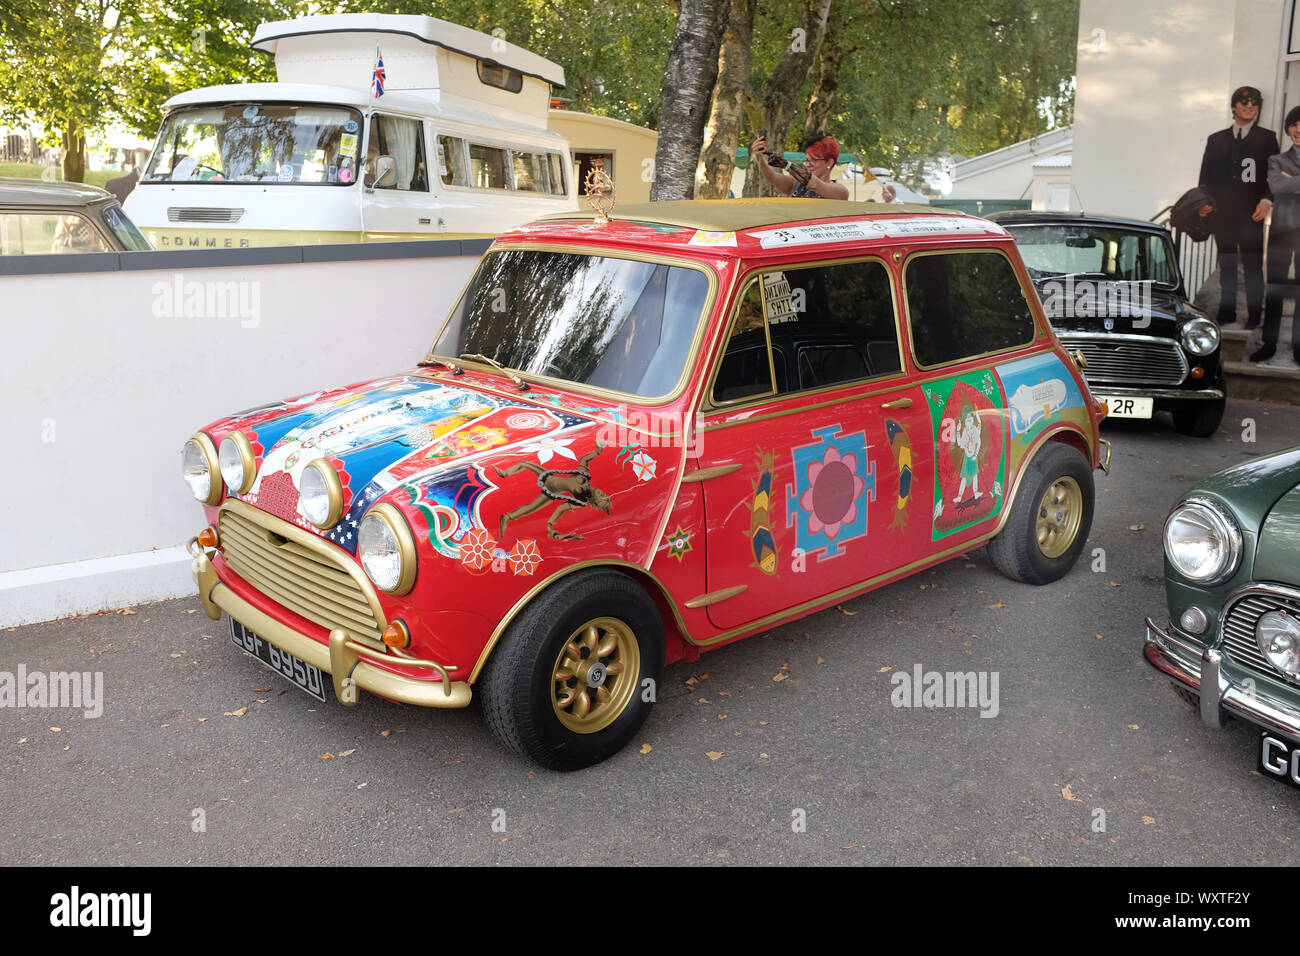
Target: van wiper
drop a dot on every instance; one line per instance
(511, 373)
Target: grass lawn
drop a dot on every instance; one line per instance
(32, 171)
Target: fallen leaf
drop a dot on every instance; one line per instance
(261, 700)
(702, 700)
(261, 690)
(23, 741)
(821, 660)
(236, 713)
(385, 733)
(327, 756)
(713, 754)
(1099, 637)
(1136, 527)
(845, 610)
(55, 730)
(1132, 726)
(1000, 604)
(1068, 793)
(724, 693)
(722, 716)
(1147, 821)
(763, 756)
(1115, 584)
(126, 610)
(646, 748)
(970, 565)
(174, 656)
(885, 670)
(762, 723)
(347, 753)
(849, 846)
(202, 719)
(780, 677)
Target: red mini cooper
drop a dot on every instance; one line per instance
(639, 437)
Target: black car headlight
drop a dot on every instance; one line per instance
(1200, 336)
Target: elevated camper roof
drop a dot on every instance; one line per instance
(304, 33)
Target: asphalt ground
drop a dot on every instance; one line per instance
(734, 765)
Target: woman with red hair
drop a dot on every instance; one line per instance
(810, 179)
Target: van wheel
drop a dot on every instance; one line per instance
(1199, 419)
(1050, 519)
(566, 687)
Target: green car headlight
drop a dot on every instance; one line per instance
(1202, 542)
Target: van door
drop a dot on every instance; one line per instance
(401, 207)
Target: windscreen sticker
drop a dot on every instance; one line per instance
(350, 126)
(286, 173)
(875, 229)
(348, 144)
(703, 238)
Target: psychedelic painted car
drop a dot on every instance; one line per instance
(637, 439)
(1231, 644)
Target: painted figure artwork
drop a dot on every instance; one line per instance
(569, 487)
(970, 451)
(968, 442)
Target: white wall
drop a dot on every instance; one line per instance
(102, 387)
(1012, 181)
(1154, 78)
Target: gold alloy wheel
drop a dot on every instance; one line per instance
(1059, 514)
(595, 675)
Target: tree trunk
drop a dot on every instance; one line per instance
(688, 83)
(780, 94)
(722, 133)
(74, 153)
(826, 80)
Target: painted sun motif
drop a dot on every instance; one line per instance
(524, 556)
(831, 498)
(643, 466)
(477, 550)
(679, 542)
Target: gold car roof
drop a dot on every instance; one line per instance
(732, 215)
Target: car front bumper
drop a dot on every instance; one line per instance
(344, 658)
(1196, 667)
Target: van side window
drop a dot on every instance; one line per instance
(965, 304)
(488, 167)
(452, 166)
(532, 174)
(558, 187)
(402, 139)
(502, 77)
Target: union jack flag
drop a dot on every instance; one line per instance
(377, 80)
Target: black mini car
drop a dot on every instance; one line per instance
(1112, 291)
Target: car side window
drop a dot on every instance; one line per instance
(964, 304)
(402, 139)
(48, 233)
(745, 370)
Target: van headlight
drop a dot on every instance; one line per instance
(320, 493)
(200, 470)
(1200, 336)
(386, 548)
(1202, 542)
(238, 463)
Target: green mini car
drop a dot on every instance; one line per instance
(1231, 645)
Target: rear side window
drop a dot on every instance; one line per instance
(964, 304)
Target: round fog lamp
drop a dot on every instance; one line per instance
(1278, 636)
(1193, 620)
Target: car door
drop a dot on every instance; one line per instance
(403, 207)
(812, 436)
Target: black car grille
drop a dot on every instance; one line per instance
(1115, 361)
(203, 214)
(1239, 629)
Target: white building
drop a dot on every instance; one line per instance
(1036, 169)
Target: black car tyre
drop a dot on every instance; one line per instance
(1199, 419)
(574, 676)
(1050, 519)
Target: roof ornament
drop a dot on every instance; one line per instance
(600, 193)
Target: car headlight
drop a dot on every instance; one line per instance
(200, 470)
(1202, 542)
(1200, 336)
(1278, 636)
(386, 548)
(238, 463)
(320, 493)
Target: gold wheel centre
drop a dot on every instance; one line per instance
(595, 675)
(1059, 515)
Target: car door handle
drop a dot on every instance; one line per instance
(898, 403)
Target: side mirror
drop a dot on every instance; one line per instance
(385, 172)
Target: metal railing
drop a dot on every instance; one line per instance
(1196, 260)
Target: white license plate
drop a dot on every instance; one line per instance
(1129, 407)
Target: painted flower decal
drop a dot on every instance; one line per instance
(679, 542)
(548, 448)
(524, 557)
(831, 498)
(643, 466)
(477, 550)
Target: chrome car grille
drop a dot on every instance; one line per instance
(310, 582)
(203, 214)
(1137, 360)
(1239, 629)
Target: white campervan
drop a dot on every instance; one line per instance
(457, 145)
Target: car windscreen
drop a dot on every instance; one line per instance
(128, 235)
(1096, 251)
(304, 144)
(625, 325)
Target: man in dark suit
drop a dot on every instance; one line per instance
(1234, 170)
